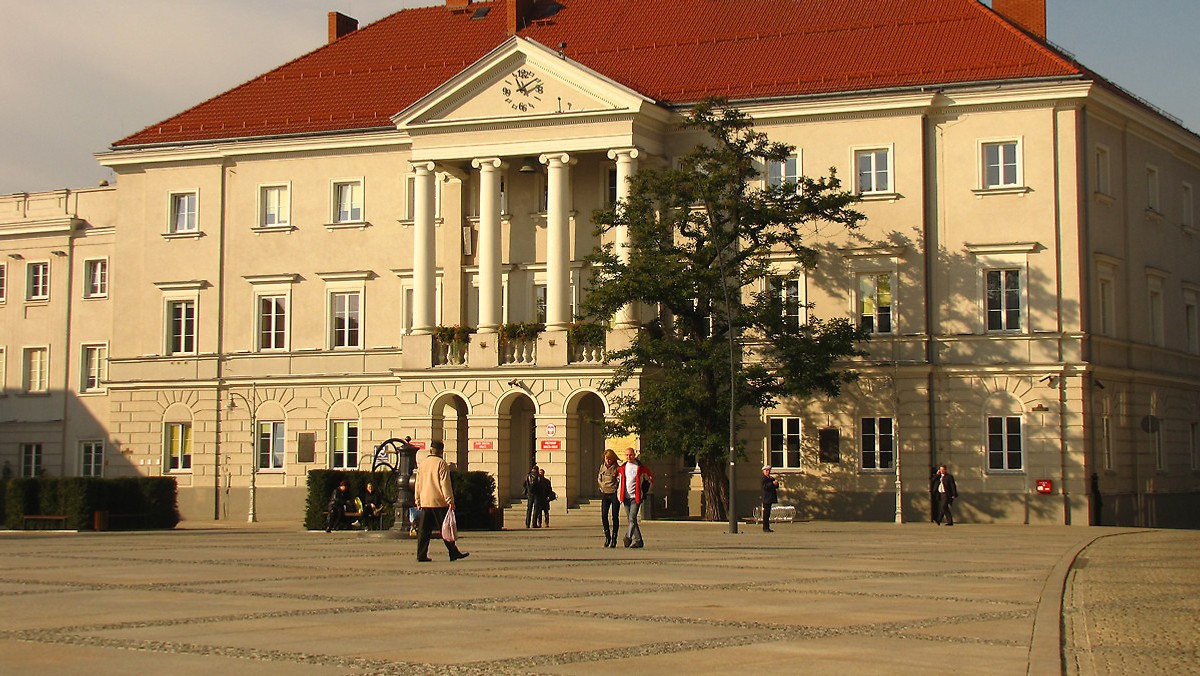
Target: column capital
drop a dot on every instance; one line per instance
(631, 152)
(557, 159)
(489, 162)
(422, 167)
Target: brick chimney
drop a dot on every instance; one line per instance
(340, 26)
(519, 12)
(1028, 14)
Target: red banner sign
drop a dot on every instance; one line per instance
(482, 445)
(551, 444)
(1045, 486)
(418, 444)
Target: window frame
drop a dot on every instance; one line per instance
(1103, 167)
(876, 275)
(3, 282)
(265, 205)
(1006, 435)
(779, 286)
(37, 286)
(275, 450)
(95, 285)
(91, 458)
(1191, 318)
(192, 217)
(1153, 189)
(335, 334)
(176, 344)
(1005, 312)
(177, 462)
(337, 447)
(42, 383)
(93, 368)
(787, 453)
(889, 170)
(876, 451)
(1018, 160)
(769, 180)
(1156, 320)
(32, 455)
(1187, 206)
(335, 204)
(279, 330)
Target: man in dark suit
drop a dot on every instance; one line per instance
(770, 495)
(946, 490)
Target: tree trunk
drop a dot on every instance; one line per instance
(713, 474)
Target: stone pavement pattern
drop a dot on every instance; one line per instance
(819, 598)
(1132, 605)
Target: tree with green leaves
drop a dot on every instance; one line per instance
(702, 237)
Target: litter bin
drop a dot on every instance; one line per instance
(100, 520)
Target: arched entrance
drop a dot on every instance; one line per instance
(520, 442)
(449, 415)
(589, 412)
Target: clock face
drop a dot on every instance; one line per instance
(522, 90)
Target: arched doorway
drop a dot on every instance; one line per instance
(449, 417)
(589, 411)
(520, 442)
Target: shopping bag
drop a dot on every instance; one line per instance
(449, 527)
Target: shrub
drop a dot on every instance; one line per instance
(79, 498)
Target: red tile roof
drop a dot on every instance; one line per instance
(672, 51)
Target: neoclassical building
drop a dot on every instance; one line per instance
(281, 264)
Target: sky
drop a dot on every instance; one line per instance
(77, 75)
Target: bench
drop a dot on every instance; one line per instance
(778, 513)
(43, 521)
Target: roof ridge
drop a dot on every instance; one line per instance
(1042, 44)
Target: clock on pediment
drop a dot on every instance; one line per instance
(523, 89)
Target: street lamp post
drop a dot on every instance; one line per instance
(252, 515)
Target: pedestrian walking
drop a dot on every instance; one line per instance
(608, 478)
(947, 492)
(770, 495)
(634, 485)
(435, 497)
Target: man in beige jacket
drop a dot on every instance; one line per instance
(435, 496)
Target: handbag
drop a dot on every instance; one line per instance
(552, 497)
(449, 527)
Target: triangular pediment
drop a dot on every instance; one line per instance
(521, 80)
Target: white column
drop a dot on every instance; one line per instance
(489, 242)
(558, 241)
(626, 166)
(424, 250)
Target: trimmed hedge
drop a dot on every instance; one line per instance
(474, 496)
(79, 498)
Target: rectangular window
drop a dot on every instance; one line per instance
(37, 281)
(183, 213)
(345, 319)
(344, 444)
(1187, 206)
(1152, 201)
(787, 293)
(179, 446)
(1004, 443)
(875, 302)
(1108, 326)
(780, 172)
(181, 333)
(276, 208)
(611, 192)
(1191, 323)
(874, 172)
(539, 303)
(3, 282)
(1000, 165)
(348, 202)
(410, 185)
(94, 368)
(878, 443)
(1103, 171)
(36, 369)
(1155, 309)
(1003, 300)
(270, 445)
(1160, 454)
(95, 278)
(272, 323)
(31, 460)
(1107, 440)
(784, 442)
(829, 445)
(91, 458)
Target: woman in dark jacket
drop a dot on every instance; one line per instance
(608, 478)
